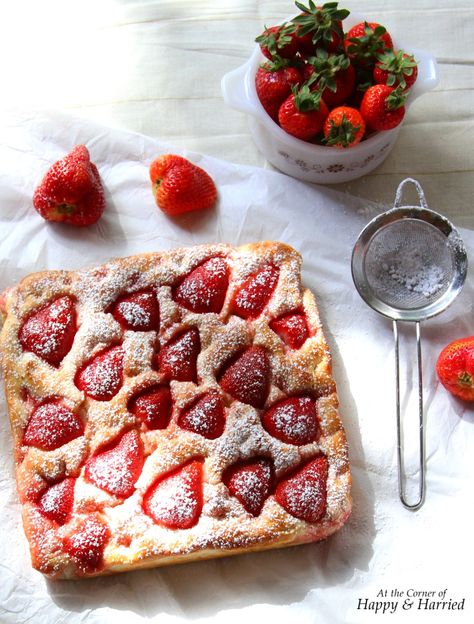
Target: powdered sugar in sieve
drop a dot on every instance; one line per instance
(409, 264)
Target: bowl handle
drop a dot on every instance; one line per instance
(235, 90)
(428, 75)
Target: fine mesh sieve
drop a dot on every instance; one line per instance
(409, 264)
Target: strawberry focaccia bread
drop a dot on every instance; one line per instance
(172, 406)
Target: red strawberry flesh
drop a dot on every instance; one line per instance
(250, 482)
(455, 368)
(178, 358)
(206, 416)
(292, 329)
(273, 86)
(377, 111)
(303, 494)
(278, 41)
(180, 186)
(56, 503)
(204, 289)
(292, 420)
(102, 377)
(247, 378)
(137, 311)
(152, 406)
(304, 121)
(255, 292)
(365, 41)
(86, 545)
(175, 499)
(49, 332)
(116, 469)
(51, 425)
(71, 191)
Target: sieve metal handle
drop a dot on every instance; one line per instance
(419, 190)
(401, 464)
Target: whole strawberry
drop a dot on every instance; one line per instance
(382, 107)
(319, 27)
(71, 191)
(333, 75)
(395, 70)
(278, 41)
(303, 113)
(365, 41)
(344, 127)
(455, 368)
(273, 83)
(180, 186)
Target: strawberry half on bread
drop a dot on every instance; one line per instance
(71, 191)
(180, 186)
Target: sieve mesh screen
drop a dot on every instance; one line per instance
(408, 264)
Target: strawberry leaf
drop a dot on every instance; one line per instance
(343, 133)
(324, 22)
(325, 69)
(305, 99)
(396, 99)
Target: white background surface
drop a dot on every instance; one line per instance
(383, 546)
(155, 67)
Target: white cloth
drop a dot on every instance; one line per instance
(383, 546)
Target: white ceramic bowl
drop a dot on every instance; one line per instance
(315, 163)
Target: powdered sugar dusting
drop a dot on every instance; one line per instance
(56, 502)
(251, 485)
(247, 379)
(46, 332)
(161, 497)
(304, 494)
(205, 417)
(101, 379)
(411, 271)
(255, 292)
(177, 359)
(51, 500)
(134, 314)
(174, 501)
(51, 425)
(117, 469)
(86, 544)
(293, 420)
(181, 350)
(301, 497)
(205, 288)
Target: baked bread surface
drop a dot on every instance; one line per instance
(224, 527)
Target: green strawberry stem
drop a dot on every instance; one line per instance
(65, 209)
(321, 21)
(277, 63)
(272, 41)
(396, 99)
(326, 67)
(465, 379)
(341, 134)
(305, 99)
(366, 47)
(397, 65)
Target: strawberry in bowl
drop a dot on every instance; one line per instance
(339, 57)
